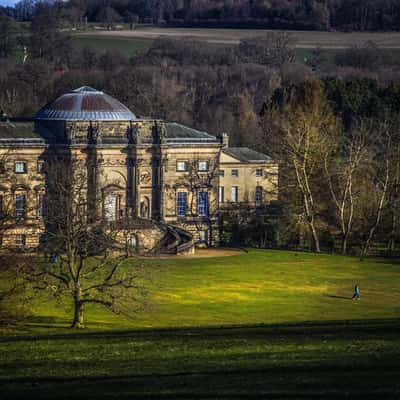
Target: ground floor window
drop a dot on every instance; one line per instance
(181, 204)
(203, 235)
(20, 205)
(259, 194)
(234, 194)
(203, 204)
(221, 194)
(20, 241)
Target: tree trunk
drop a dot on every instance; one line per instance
(315, 237)
(77, 322)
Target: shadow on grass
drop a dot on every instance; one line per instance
(303, 382)
(337, 297)
(309, 328)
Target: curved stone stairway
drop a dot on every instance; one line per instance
(176, 241)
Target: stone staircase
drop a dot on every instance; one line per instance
(176, 241)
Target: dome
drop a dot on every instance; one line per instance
(85, 104)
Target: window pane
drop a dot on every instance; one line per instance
(181, 166)
(235, 172)
(20, 167)
(40, 167)
(203, 165)
(259, 194)
(259, 172)
(20, 205)
(182, 204)
(20, 240)
(234, 194)
(221, 194)
(203, 204)
(40, 209)
(221, 172)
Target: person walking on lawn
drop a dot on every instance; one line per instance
(356, 295)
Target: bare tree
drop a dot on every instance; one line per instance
(380, 176)
(343, 165)
(87, 260)
(304, 124)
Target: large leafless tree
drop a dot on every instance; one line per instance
(86, 262)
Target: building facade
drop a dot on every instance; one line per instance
(167, 180)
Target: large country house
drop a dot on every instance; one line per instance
(169, 182)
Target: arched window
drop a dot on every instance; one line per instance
(20, 205)
(112, 203)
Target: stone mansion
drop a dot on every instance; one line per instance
(171, 183)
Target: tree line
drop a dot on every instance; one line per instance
(348, 15)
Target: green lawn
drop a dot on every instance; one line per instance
(229, 327)
(257, 287)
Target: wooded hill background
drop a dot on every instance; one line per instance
(347, 15)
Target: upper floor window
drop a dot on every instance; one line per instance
(181, 204)
(221, 172)
(234, 194)
(235, 172)
(20, 205)
(181, 166)
(259, 172)
(203, 204)
(221, 193)
(2, 167)
(20, 167)
(259, 194)
(40, 167)
(203, 166)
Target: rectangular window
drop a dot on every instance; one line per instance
(20, 167)
(234, 194)
(203, 166)
(181, 204)
(20, 205)
(40, 167)
(2, 167)
(235, 172)
(181, 166)
(221, 194)
(221, 172)
(259, 172)
(203, 204)
(40, 206)
(20, 241)
(259, 194)
(203, 236)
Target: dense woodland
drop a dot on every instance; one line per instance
(332, 124)
(349, 15)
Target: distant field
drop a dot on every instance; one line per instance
(126, 46)
(130, 42)
(304, 39)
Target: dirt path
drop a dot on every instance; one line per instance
(304, 39)
(207, 253)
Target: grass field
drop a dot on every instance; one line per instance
(265, 323)
(130, 42)
(126, 46)
(304, 39)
